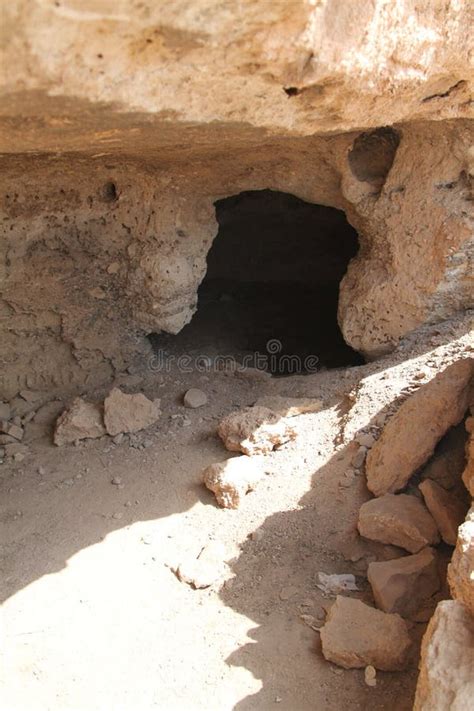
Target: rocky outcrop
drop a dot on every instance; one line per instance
(409, 439)
(447, 661)
(148, 113)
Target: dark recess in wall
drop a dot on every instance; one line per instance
(272, 285)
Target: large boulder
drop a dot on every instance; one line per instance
(410, 437)
(446, 680)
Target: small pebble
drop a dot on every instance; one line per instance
(359, 457)
(370, 675)
(116, 481)
(194, 398)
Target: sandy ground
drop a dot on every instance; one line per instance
(94, 617)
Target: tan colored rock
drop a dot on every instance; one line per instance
(468, 473)
(205, 570)
(194, 398)
(254, 430)
(446, 679)
(356, 635)
(400, 520)
(403, 585)
(129, 413)
(461, 568)
(11, 429)
(447, 463)
(289, 406)
(410, 437)
(232, 480)
(81, 420)
(446, 508)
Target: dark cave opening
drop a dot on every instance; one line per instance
(272, 286)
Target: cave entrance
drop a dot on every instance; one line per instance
(272, 285)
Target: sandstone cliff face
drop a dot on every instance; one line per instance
(122, 124)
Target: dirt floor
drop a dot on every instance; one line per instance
(94, 617)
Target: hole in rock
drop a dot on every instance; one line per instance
(272, 286)
(372, 155)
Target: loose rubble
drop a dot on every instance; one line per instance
(81, 420)
(356, 636)
(405, 584)
(400, 520)
(254, 430)
(129, 413)
(232, 480)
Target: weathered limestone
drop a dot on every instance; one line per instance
(254, 430)
(410, 437)
(356, 635)
(399, 520)
(405, 584)
(128, 413)
(232, 480)
(144, 105)
(446, 680)
(446, 508)
(81, 420)
(468, 473)
(461, 568)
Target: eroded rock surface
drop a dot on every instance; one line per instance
(446, 680)
(356, 635)
(461, 568)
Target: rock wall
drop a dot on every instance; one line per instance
(122, 124)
